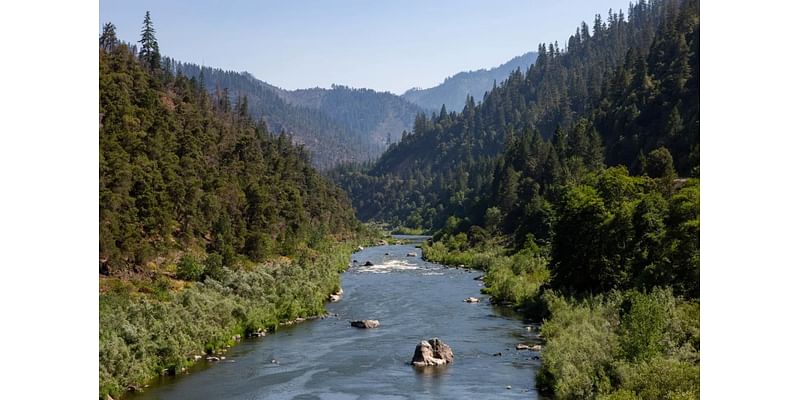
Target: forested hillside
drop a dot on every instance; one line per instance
(631, 86)
(180, 168)
(336, 125)
(380, 118)
(454, 90)
(328, 141)
(211, 227)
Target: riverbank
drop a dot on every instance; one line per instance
(161, 327)
(614, 345)
(327, 358)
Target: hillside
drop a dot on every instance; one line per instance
(379, 118)
(455, 89)
(336, 125)
(622, 87)
(211, 227)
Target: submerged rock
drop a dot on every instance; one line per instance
(368, 264)
(432, 352)
(412, 254)
(365, 323)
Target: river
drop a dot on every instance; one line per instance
(328, 359)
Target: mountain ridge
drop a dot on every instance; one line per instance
(453, 91)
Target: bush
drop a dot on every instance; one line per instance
(214, 267)
(141, 335)
(581, 345)
(631, 346)
(189, 269)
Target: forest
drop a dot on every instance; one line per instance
(336, 125)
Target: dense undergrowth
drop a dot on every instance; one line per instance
(630, 345)
(155, 326)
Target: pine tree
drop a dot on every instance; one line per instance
(109, 37)
(149, 53)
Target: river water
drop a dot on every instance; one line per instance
(328, 359)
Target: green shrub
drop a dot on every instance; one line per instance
(214, 267)
(661, 378)
(142, 335)
(614, 346)
(189, 269)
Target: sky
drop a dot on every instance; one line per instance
(383, 45)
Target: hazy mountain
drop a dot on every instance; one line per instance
(377, 117)
(336, 125)
(454, 90)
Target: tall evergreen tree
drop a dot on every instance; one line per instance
(149, 53)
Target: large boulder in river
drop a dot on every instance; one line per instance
(432, 352)
(365, 323)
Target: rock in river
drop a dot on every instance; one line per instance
(368, 264)
(432, 352)
(365, 323)
(471, 300)
(412, 254)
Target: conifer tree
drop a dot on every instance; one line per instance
(149, 53)
(108, 39)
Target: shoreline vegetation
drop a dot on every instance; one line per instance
(633, 330)
(153, 327)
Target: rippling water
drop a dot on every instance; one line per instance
(327, 359)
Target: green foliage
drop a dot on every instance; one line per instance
(581, 345)
(180, 169)
(615, 346)
(620, 232)
(213, 267)
(190, 269)
(141, 335)
(658, 164)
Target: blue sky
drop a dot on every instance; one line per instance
(383, 45)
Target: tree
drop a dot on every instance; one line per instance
(149, 53)
(108, 39)
(658, 164)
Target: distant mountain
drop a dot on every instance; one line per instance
(454, 90)
(337, 125)
(377, 117)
